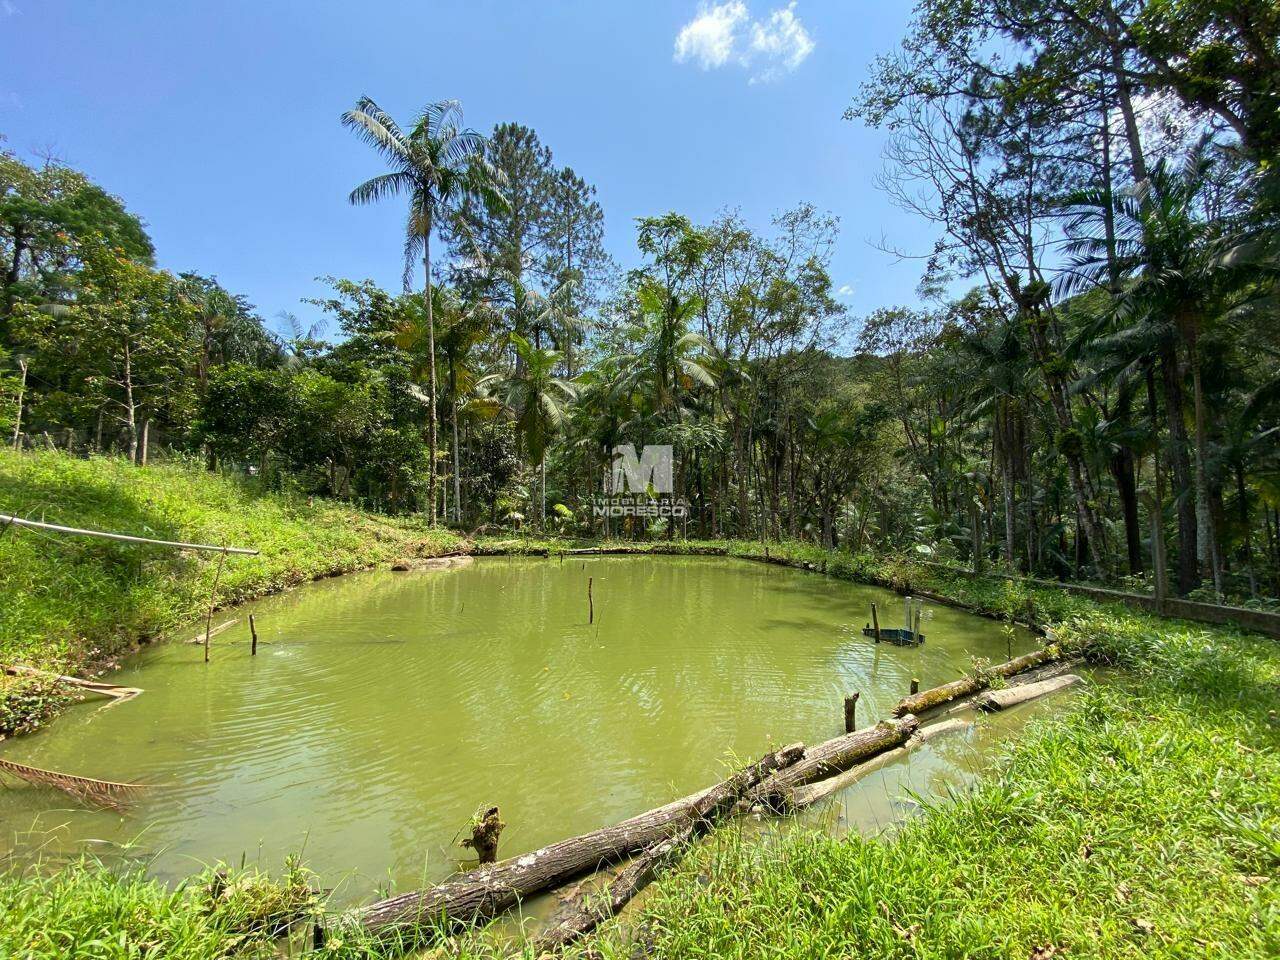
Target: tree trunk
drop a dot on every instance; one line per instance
(1246, 524)
(832, 757)
(457, 462)
(1013, 696)
(588, 907)
(146, 437)
(1207, 535)
(1122, 470)
(130, 407)
(918, 703)
(1059, 402)
(1010, 518)
(22, 389)
(975, 532)
(1175, 416)
(431, 359)
(486, 892)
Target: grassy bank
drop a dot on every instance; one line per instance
(1140, 822)
(71, 603)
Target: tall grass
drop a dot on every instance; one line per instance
(84, 912)
(68, 599)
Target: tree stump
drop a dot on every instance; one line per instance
(484, 835)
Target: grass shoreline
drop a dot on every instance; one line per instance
(1141, 821)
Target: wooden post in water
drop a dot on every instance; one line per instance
(213, 598)
(253, 633)
(915, 685)
(591, 603)
(875, 622)
(850, 708)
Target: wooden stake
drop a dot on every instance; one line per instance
(875, 622)
(850, 708)
(253, 632)
(915, 686)
(591, 603)
(213, 597)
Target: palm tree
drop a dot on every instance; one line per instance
(214, 309)
(1175, 281)
(536, 399)
(995, 373)
(468, 326)
(437, 163)
(668, 358)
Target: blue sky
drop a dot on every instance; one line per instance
(218, 121)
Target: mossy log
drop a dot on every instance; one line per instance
(927, 700)
(832, 757)
(486, 892)
(1012, 696)
(811, 793)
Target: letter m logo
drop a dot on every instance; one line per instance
(632, 474)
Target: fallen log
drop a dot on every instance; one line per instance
(448, 561)
(589, 906)
(925, 700)
(485, 892)
(586, 907)
(92, 686)
(198, 639)
(1034, 675)
(832, 757)
(811, 793)
(1012, 696)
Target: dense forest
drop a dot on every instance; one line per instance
(1086, 379)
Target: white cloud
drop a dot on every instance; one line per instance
(782, 41)
(710, 37)
(846, 290)
(725, 33)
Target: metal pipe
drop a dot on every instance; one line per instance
(6, 520)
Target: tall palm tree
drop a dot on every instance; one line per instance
(1176, 281)
(669, 359)
(436, 164)
(468, 325)
(536, 399)
(214, 309)
(994, 373)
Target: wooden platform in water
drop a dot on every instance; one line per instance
(898, 635)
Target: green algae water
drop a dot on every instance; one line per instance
(384, 708)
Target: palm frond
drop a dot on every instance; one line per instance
(103, 793)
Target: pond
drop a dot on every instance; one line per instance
(384, 708)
